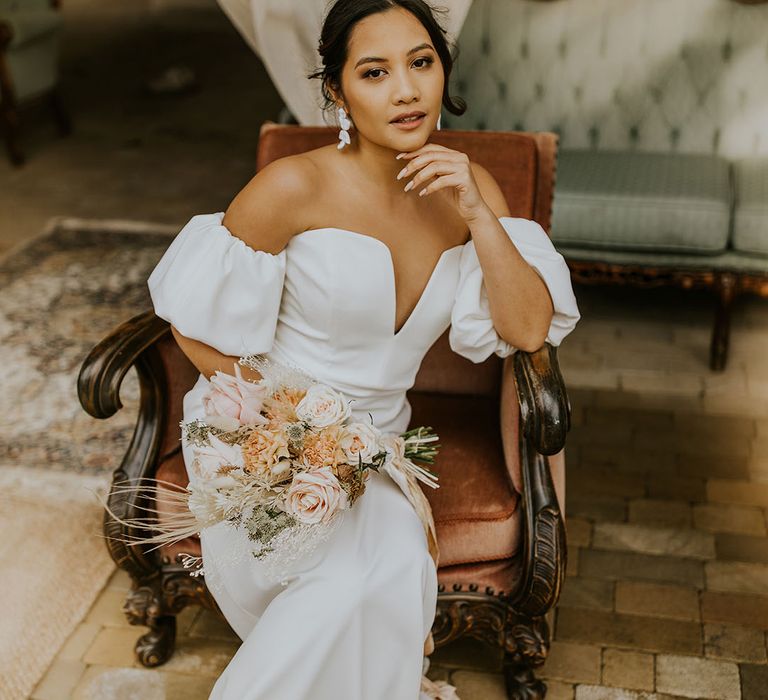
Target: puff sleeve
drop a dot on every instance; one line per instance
(215, 288)
(472, 333)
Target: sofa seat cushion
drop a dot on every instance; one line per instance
(659, 202)
(750, 223)
(476, 511)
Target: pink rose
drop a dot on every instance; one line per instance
(315, 496)
(235, 397)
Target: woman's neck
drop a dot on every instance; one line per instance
(378, 165)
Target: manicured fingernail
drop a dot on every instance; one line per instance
(408, 186)
(422, 192)
(402, 172)
(399, 155)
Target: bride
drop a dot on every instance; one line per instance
(350, 261)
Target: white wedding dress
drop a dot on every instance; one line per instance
(352, 620)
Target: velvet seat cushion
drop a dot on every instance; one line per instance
(476, 507)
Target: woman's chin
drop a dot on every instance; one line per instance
(410, 141)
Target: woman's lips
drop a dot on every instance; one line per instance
(409, 125)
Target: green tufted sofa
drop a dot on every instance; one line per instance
(662, 113)
(29, 50)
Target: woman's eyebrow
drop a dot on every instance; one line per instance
(377, 59)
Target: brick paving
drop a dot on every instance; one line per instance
(667, 463)
(667, 516)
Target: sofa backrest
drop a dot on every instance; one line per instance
(650, 75)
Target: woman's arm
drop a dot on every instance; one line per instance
(265, 214)
(208, 359)
(520, 305)
(519, 301)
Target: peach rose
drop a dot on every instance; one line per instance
(315, 496)
(235, 398)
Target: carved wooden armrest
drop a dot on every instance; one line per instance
(545, 412)
(132, 344)
(105, 367)
(544, 422)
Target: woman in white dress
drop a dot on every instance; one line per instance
(330, 261)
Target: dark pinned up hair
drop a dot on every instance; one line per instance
(345, 14)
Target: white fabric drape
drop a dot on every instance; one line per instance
(285, 34)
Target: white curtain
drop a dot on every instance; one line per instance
(285, 34)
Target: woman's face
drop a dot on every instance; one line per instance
(392, 69)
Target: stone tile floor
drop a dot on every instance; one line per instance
(667, 486)
(666, 590)
(667, 505)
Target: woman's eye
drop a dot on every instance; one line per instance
(425, 61)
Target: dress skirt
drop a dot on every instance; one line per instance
(348, 623)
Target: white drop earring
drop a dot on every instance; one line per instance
(344, 123)
(438, 121)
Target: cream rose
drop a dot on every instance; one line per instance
(360, 441)
(208, 458)
(322, 406)
(315, 496)
(235, 398)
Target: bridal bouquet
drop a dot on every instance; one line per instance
(280, 459)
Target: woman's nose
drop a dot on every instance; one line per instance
(405, 87)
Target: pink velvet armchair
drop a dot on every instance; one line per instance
(502, 425)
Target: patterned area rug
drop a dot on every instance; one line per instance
(60, 294)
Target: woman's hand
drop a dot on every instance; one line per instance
(450, 169)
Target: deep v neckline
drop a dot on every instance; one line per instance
(394, 332)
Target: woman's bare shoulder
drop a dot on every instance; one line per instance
(271, 208)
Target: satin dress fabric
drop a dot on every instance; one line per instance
(350, 621)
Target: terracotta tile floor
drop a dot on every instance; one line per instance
(667, 484)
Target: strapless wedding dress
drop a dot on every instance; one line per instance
(351, 621)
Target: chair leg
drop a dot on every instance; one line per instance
(156, 646)
(60, 112)
(144, 606)
(526, 648)
(726, 291)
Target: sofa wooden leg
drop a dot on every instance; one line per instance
(726, 292)
(9, 116)
(60, 112)
(9, 120)
(526, 648)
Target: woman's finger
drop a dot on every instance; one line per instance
(427, 158)
(432, 170)
(452, 180)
